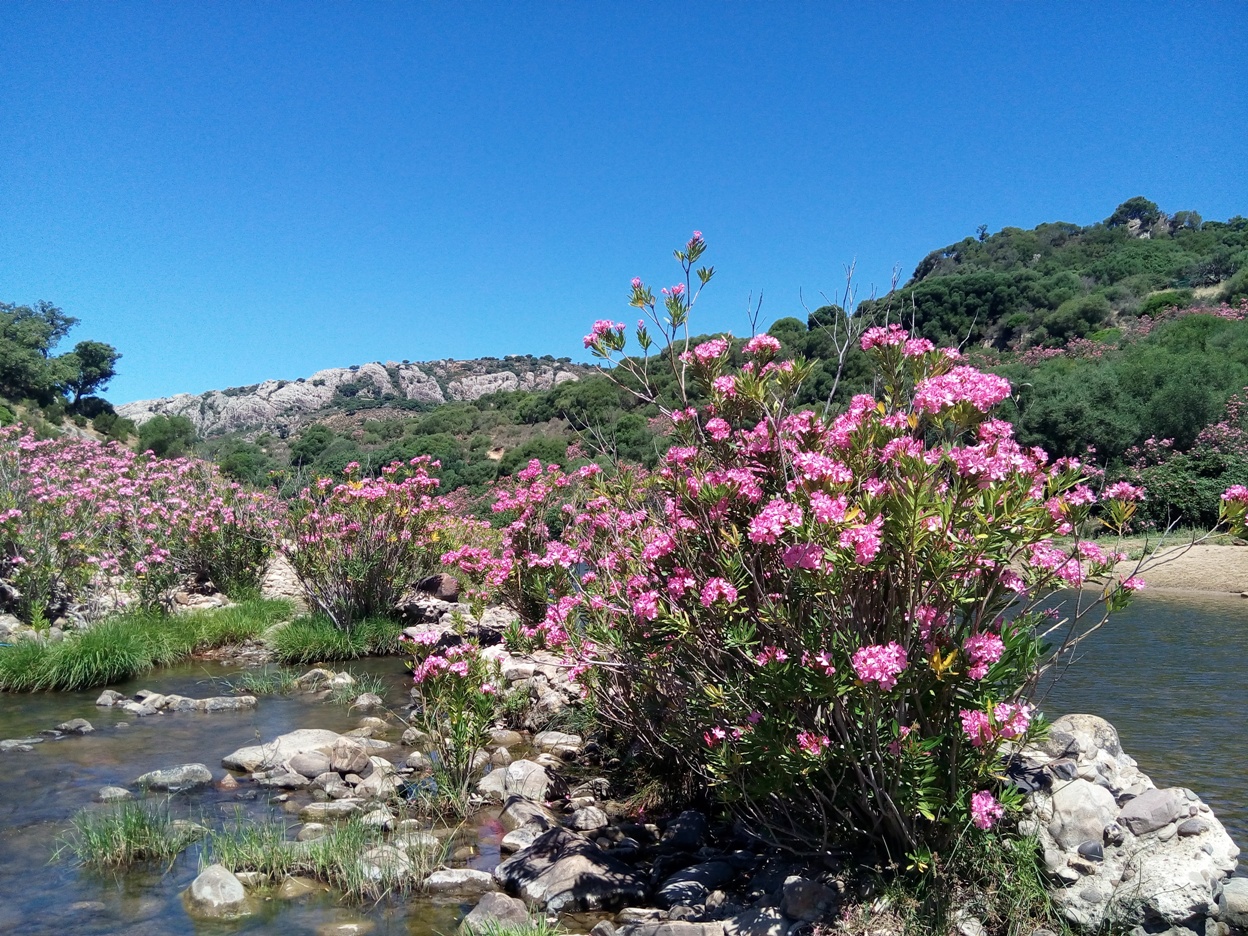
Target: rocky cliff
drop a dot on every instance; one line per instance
(280, 405)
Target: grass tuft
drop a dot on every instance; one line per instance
(315, 639)
(336, 859)
(122, 647)
(126, 834)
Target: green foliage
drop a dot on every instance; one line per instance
(167, 436)
(29, 370)
(337, 858)
(315, 639)
(1135, 209)
(119, 648)
(88, 369)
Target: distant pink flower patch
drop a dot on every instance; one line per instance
(880, 664)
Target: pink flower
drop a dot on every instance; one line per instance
(802, 556)
(771, 655)
(716, 589)
(961, 385)
(1123, 492)
(811, 743)
(646, 606)
(884, 337)
(727, 385)
(880, 664)
(984, 650)
(712, 350)
(827, 509)
(601, 329)
(697, 237)
(865, 539)
(978, 727)
(1134, 583)
(761, 344)
(636, 282)
(985, 810)
(1013, 719)
(713, 736)
(916, 347)
(773, 520)
(718, 429)
(1236, 494)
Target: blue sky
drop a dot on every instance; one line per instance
(231, 192)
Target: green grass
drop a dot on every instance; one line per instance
(536, 926)
(315, 639)
(126, 834)
(122, 647)
(345, 695)
(334, 859)
(268, 681)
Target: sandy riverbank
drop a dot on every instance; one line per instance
(1183, 567)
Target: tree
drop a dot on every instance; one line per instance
(167, 436)
(88, 368)
(1135, 209)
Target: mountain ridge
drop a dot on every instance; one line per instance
(279, 406)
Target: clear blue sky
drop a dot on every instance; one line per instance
(229, 192)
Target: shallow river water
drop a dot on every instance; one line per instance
(1171, 673)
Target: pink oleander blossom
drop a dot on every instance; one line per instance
(718, 429)
(802, 556)
(1013, 719)
(986, 812)
(777, 516)
(762, 344)
(718, 589)
(983, 649)
(961, 385)
(978, 727)
(880, 664)
(881, 337)
(812, 743)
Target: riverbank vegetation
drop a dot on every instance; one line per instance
(121, 647)
(825, 621)
(122, 835)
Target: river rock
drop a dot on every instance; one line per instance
(459, 882)
(348, 755)
(588, 819)
(495, 908)
(109, 698)
(310, 764)
(760, 921)
(175, 779)
(78, 726)
(526, 778)
(686, 832)
(518, 811)
(558, 742)
(692, 885)
(266, 756)
(807, 901)
(504, 738)
(1233, 903)
(1112, 841)
(562, 872)
(382, 862)
(113, 794)
(332, 809)
(216, 894)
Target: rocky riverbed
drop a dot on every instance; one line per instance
(548, 836)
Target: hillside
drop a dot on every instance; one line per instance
(279, 406)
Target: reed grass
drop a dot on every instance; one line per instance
(314, 638)
(127, 834)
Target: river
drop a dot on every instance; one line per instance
(1171, 673)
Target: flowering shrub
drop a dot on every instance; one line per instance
(78, 516)
(836, 621)
(1184, 487)
(358, 544)
(526, 568)
(458, 695)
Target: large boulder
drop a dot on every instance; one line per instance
(494, 909)
(561, 872)
(281, 749)
(216, 894)
(175, 779)
(1116, 847)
